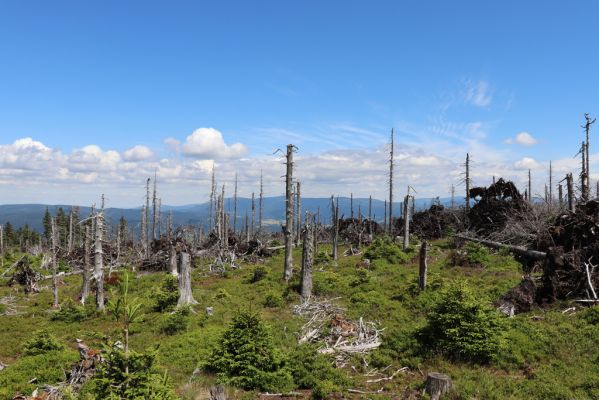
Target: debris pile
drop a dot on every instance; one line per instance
(571, 267)
(494, 205)
(327, 326)
(434, 223)
(358, 231)
(24, 274)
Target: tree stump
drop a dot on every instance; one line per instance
(217, 393)
(423, 266)
(437, 385)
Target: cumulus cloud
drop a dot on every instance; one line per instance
(477, 93)
(138, 153)
(523, 138)
(526, 163)
(208, 143)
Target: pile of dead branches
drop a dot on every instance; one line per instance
(493, 205)
(336, 335)
(9, 306)
(434, 223)
(25, 274)
(358, 231)
(571, 269)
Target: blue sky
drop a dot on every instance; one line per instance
(332, 77)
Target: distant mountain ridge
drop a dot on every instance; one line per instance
(196, 214)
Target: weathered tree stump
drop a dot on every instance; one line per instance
(423, 266)
(437, 385)
(217, 393)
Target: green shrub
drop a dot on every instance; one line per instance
(42, 342)
(273, 300)
(167, 295)
(327, 282)
(362, 277)
(463, 327)
(312, 370)
(2, 309)
(246, 357)
(142, 381)
(382, 248)
(177, 321)
(322, 258)
(70, 312)
(259, 273)
(590, 315)
(221, 294)
(471, 255)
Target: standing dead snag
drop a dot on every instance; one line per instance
(307, 259)
(261, 202)
(587, 129)
(253, 215)
(55, 303)
(173, 260)
(98, 258)
(147, 216)
(288, 228)
(391, 185)
(467, 181)
(86, 264)
(298, 214)
(154, 204)
(570, 187)
(235, 206)
(185, 294)
(406, 220)
(423, 266)
(334, 226)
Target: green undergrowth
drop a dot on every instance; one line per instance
(543, 354)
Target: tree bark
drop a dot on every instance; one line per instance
(423, 266)
(391, 185)
(521, 251)
(334, 226)
(437, 385)
(235, 206)
(185, 293)
(570, 188)
(299, 214)
(55, 303)
(307, 261)
(86, 264)
(173, 260)
(288, 228)
(406, 221)
(218, 393)
(99, 260)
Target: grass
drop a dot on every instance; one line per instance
(554, 356)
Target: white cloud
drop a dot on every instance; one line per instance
(172, 143)
(477, 93)
(526, 163)
(138, 153)
(523, 138)
(208, 143)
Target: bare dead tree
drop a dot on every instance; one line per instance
(298, 213)
(584, 176)
(99, 258)
(247, 226)
(142, 231)
(159, 216)
(148, 218)
(587, 128)
(550, 183)
(212, 198)
(185, 293)
(288, 228)
(154, 205)
(385, 217)
(570, 188)
(391, 161)
(235, 206)
(86, 263)
(334, 225)
(307, 258)
(467, 181)
(261, 202)
(54, 233)
(351, 205)
(253, 215)
(560, 193)
(452, 196)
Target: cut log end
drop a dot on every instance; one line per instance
(437, 385)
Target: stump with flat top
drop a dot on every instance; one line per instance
(437, 385)
(217, 393)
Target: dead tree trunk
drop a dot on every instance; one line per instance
(185, 293)
(307, 260)
(570, 187)
(391, 185)
(86, 264)
(247, 226)
(55, 303)
(298, 229)
(288, 228)
(261, 202)
(334, 225)
(218, 393)
(560, 193)
(351, 205)
(212, 198)
(467, 180)
(253, 215)
(370, 215)
(385, 217)
(99, 260)
(584, 176)
(406, 221)
(147, 218)
(550, 184)
(154, 204)
(529, 187)
(235, 206)
(70, 240)
(533, 255)
(587, 129)
(173, 260)
(423, 266)
(437, 385)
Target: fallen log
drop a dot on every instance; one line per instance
(533, 255)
